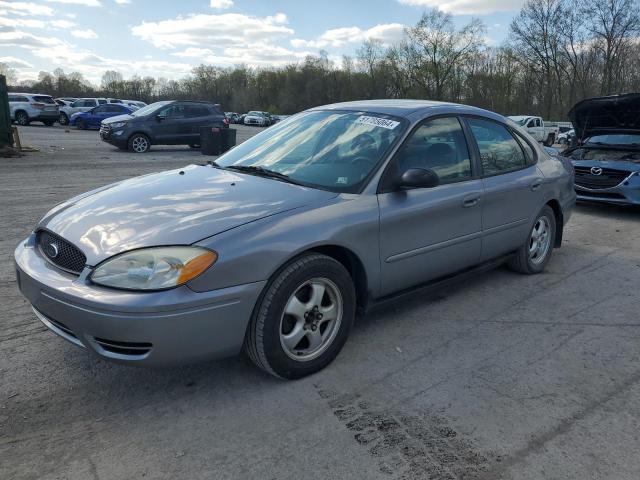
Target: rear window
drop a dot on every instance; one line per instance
(43, 99)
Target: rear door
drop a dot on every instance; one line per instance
(196, 116)
(426, 233)
(512, 186)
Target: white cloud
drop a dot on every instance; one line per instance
(24, 8)
(15, 62)
(62, 23)
(338, 37)
(88, 33)
(221, 4)
(122, 2)
(12, 23)
(468, 7)
(85, 3)
(227, 29)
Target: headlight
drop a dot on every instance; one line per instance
(155, 268)
(117, 124)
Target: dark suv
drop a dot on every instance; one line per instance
(169, 122)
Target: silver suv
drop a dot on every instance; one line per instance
(28, 107)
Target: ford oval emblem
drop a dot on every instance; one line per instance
(596, 171)
(52, 250)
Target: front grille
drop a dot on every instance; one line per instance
(104, 129)
(124, 348)
(61, 253)
(607, 179)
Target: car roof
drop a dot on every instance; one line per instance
(406, 108)
(30, 94)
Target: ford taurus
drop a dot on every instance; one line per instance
(274, 247)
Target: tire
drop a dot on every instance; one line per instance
(48, 123)
(63, 119)
(531, 262)
(550, 140)
(139, 143)
(271, 341)
(22, 118)
(80, 125)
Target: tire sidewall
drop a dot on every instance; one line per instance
(272, 306)
(22, 118)
(64, 119)
(539, 267)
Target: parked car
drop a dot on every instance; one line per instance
(232, 117)
(65, 102)
(92, 118)
(257, 118)
(25, 108)
(82, 105)
(546, 134)
(567, 138)
(169, 122)
(134, 103)
(606, 158)
(274, 246)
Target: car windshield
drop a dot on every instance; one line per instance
(150, 108)
(520, 121)
(332, 150)
(614, 139)
(256, 114)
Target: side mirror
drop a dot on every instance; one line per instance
(160, 117)
(418, 178)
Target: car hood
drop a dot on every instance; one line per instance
(119, 118)
(177, 207)
(603, 115)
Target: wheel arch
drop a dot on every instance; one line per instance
(557, 210)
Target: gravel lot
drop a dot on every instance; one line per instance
(502, 376)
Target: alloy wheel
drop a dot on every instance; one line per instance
(311, 319)
(540, 240)
(140, 144)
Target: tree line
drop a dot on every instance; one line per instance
(557, 53)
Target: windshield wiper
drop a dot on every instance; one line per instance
(263, 172)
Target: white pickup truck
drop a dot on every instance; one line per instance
(536, 127)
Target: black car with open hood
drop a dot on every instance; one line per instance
(617, 114)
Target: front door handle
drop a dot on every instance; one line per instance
(470, 201)
(536, 185)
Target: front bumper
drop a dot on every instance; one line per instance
(173, 327)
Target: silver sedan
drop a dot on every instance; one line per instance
(273, 248)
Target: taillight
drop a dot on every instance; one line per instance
(37, 104)
(225, 121)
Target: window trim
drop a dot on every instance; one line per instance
(477, 147)
(384, 185)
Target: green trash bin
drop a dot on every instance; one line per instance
(210, 140)
(228, 139)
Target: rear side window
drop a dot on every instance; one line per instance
(528, 150)
(197, 111)
(102, 102)
(437, 145)
(17, 98)
(499, 151)
(43, 99)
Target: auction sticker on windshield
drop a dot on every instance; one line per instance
(378, 122)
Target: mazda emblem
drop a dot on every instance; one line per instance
(596, 171)
(52, 250)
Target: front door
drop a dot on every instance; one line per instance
(427, 233)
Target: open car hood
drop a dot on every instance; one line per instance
(606, 115)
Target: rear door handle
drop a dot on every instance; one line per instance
(470, 201)
(536, 185)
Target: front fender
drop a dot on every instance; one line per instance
(254, 252)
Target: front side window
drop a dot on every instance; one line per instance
(332, 150)
(437, 145)
(499, 151)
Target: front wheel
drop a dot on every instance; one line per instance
(139, 143)
(303, 318)
(533, 256)
(63, 119)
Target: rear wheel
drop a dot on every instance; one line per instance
(63, 119)
(303, 318)
(551, 139)
(22, 118)
(139, 143)
(533, 256)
